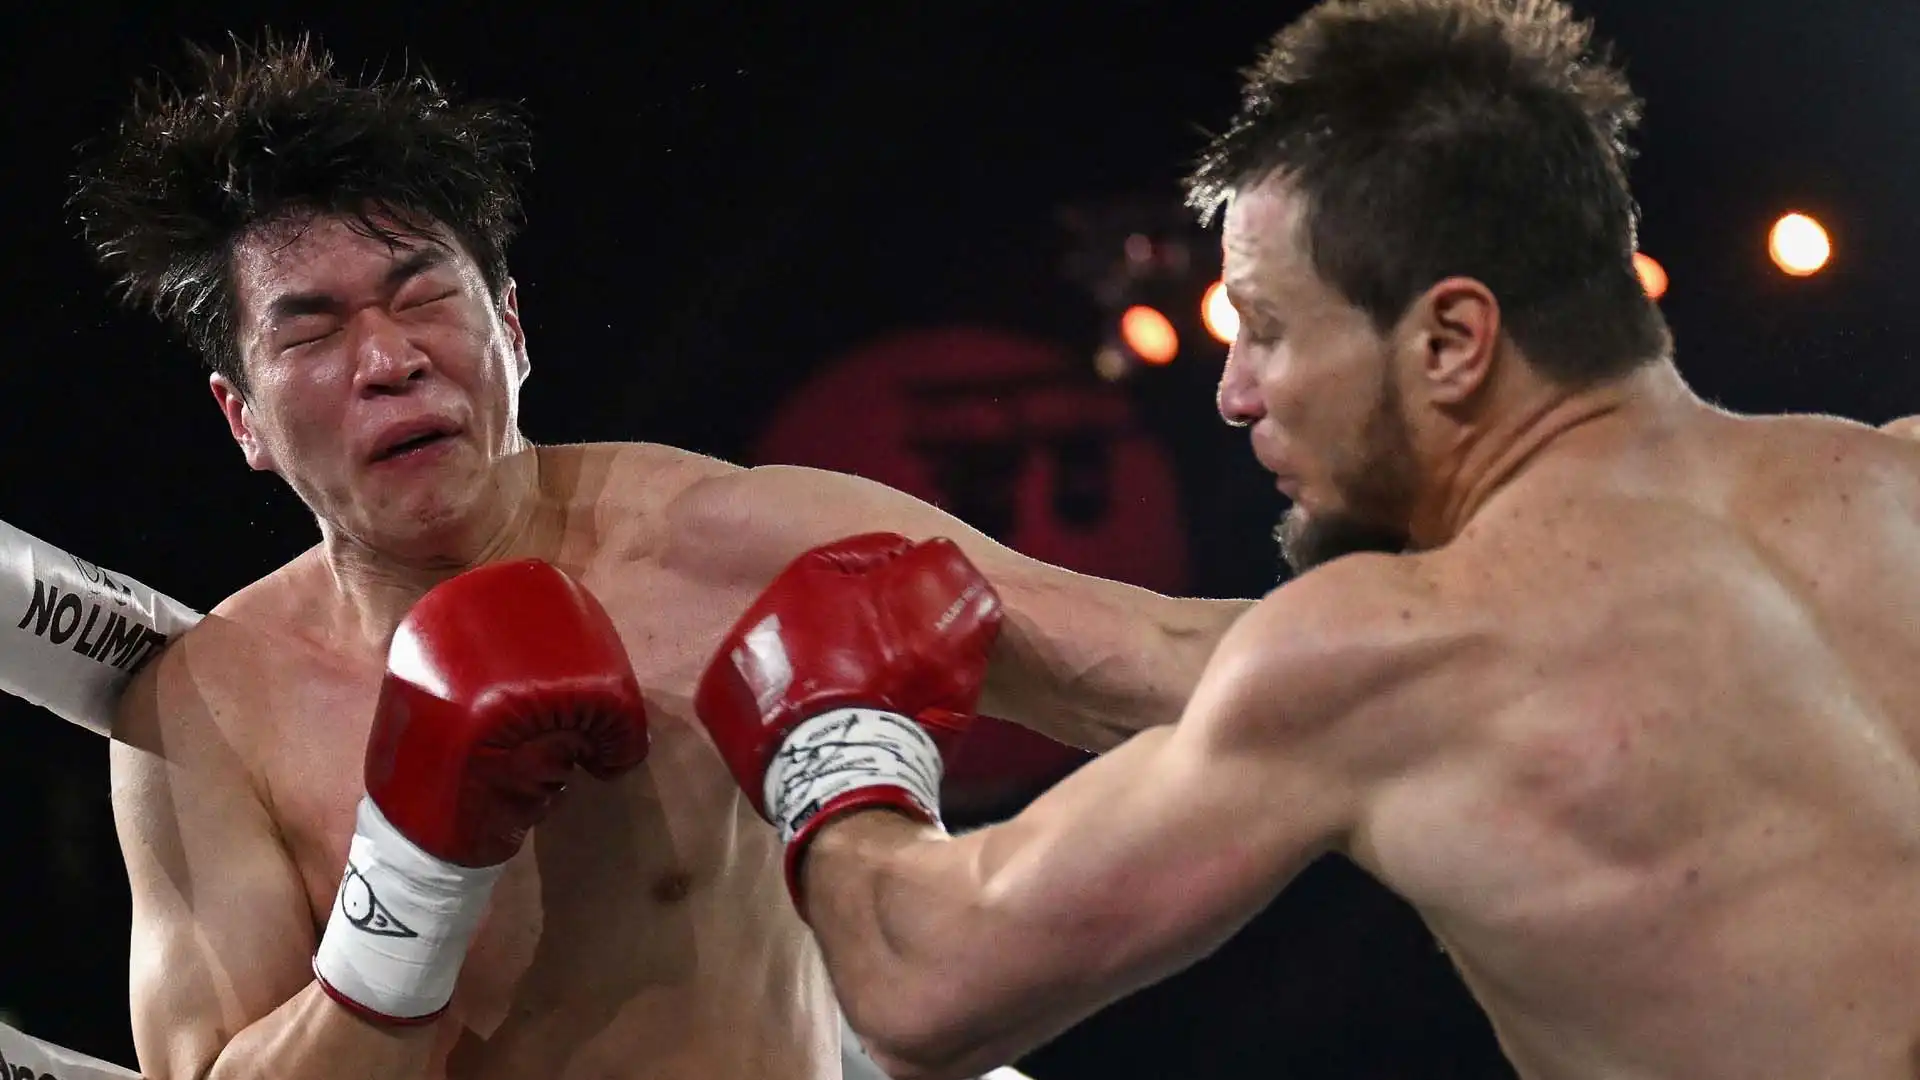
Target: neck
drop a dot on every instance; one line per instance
(379, 585)
(1487, 459)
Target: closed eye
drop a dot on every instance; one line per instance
(309, 339)
(413, 304)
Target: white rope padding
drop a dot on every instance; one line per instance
(71, 633)
(23, 1057)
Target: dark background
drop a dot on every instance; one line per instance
(728, 197)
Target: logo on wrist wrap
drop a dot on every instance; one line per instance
(365, 911)
(845, 750)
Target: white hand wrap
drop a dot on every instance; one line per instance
(401, 923)
(72, 634)
(839, 752)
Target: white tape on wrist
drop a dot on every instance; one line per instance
(401, 922)
(845, 750)
(72, 634)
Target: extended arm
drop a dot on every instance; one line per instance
(956, 954)
(1084, 660)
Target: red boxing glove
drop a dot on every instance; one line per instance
(499, 683)
(823, 696)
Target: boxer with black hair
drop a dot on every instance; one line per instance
(335, 248)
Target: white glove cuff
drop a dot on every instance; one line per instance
(401, 922)
(842, 751)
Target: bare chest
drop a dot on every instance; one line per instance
(632, 915)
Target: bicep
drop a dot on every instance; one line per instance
(743, 526)
(221, 929)
(1321, 692)
(1131, 869)
(1149, 858)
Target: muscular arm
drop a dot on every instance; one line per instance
(221, 984)
(952, 955)
(1081, 659)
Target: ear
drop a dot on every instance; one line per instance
(233, 406)
(1460, 334)
(516, 334)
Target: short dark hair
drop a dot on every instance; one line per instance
(268, 133)
(1432, 138)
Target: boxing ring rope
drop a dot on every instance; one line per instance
(21, 1055)
(72, 635)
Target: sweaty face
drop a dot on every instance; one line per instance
(383, 379)
(1314, 382)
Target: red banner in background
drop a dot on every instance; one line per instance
(1012, 436)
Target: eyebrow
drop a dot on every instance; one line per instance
(293, 305)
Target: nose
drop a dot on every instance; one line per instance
(386, 359)
(1238, 396)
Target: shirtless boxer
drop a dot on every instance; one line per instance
(336, 250)
(1617, 688)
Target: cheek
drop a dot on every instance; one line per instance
(1318, 403)
(1294, 390)
(473, 352)
(300, 419)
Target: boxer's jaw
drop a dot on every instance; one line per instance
(1372, 486)
(380, 583)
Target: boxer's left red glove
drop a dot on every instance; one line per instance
(500, 682)
(832, 692)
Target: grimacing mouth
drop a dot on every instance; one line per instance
(411, 444)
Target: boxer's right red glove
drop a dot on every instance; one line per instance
(830, 692)
(499, 683)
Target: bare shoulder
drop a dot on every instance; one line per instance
(1827, 494)
(283, 596)
(1361, 655)
(729, 524)
(722, 503)
(625, 494)
(191, 701)
(185, 706)
(1833, 453)
(629, 473)
(1906, 427)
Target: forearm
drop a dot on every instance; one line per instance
(311, 1037)
(1091, 662)
(901, 968)
(955, 955)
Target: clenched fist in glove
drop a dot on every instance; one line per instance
(500, 682)
(832, 693)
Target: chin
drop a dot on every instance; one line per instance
(428, 525)
(1308, 540)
